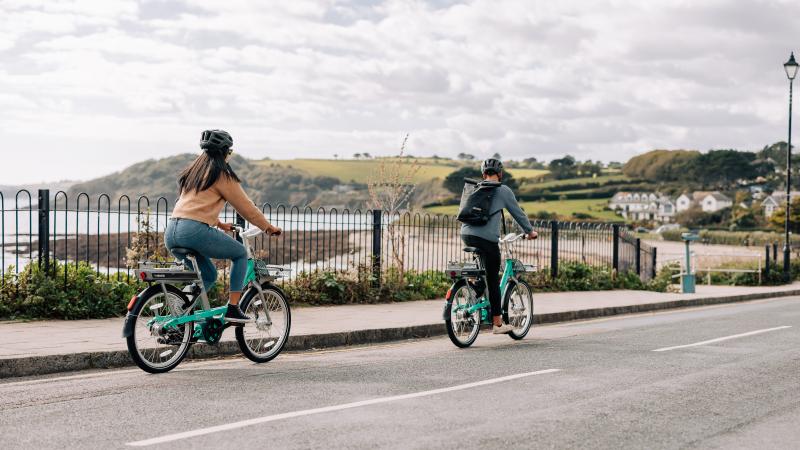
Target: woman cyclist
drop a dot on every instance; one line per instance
(204, 187)
(485, 237)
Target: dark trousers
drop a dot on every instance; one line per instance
(490, 258)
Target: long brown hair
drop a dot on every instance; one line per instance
(205, 171)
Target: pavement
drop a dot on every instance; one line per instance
(40, 347)
(720, 376)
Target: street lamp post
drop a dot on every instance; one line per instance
(791, 70)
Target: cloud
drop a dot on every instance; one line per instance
(600, 80)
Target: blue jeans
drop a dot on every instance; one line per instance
(208, 242)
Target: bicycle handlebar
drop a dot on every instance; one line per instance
(248, 233)
(512, 237)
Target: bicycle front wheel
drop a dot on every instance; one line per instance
(263, 340)
(462, 327)
(152, 347)
(518, 308)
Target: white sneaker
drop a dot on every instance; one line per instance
(502, 329)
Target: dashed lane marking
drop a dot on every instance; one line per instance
(326, 409)
(725, 338)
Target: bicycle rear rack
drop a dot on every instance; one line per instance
(462, 269)
(150, 271)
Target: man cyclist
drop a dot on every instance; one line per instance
(485, 237)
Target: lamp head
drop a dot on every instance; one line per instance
(791, 67)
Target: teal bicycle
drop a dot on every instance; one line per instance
(465, 309)
(163, 322)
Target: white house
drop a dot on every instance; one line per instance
(708, 201)
(715, 201)
(643, 206)
(776, 201)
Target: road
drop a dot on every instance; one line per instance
(591, 384)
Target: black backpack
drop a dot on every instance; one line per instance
(476, 202)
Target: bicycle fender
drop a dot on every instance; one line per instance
(127, 328)
(448, 300)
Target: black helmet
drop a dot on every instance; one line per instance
(491, 166)
(216, 140)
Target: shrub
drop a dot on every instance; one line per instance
(356, 286)
(85, 295)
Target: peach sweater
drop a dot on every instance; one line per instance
(205, 206)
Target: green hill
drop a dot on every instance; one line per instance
(158, 178)
(359, 171)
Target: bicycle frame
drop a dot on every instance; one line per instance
(508, 275)
(206, 312)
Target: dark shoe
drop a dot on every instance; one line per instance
(235, 315)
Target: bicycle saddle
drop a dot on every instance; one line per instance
(471, 250)
(181, 252)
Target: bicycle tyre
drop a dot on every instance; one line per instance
(459, 294)
(138, 354)
(276, 298)
(522, 320)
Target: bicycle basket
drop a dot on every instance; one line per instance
(519, 267)
(264, 270)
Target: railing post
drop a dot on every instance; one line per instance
(775, 253)
(655, 260)
(766, 265)
(44, 229)
(638, 256)
(554, 249)
(377, 238)
(615, 247)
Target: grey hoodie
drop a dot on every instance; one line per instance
(503, 198)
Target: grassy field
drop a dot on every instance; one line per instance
(603, 179)
(565, 208)
(347, 170)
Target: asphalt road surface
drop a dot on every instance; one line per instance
(713, 377)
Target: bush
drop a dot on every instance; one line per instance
(356, 287)
(86, 295)
(747, 238)
(576, 276)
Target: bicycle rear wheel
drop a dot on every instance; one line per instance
(518, 308)
(462, 327)
(263, 340)
(151, 347)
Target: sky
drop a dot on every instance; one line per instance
(90, 87)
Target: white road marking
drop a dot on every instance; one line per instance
(308, 412)
(725, 338)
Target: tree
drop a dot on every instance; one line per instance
(454, 182)
(722, 168)
(366, 155)
(390, 189)
(563, 168)
(533, 163)
(695, 217)
(465, 156)
(497, 156)
(778, 219)
(588, 169)
(357, 155)
(662, 165)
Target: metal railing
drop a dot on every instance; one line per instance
(99, 231)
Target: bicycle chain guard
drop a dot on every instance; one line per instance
(212, 330)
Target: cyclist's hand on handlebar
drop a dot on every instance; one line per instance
(532, 235)
(274, 231)
(226, 226)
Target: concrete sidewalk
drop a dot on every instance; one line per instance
(38, 347)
